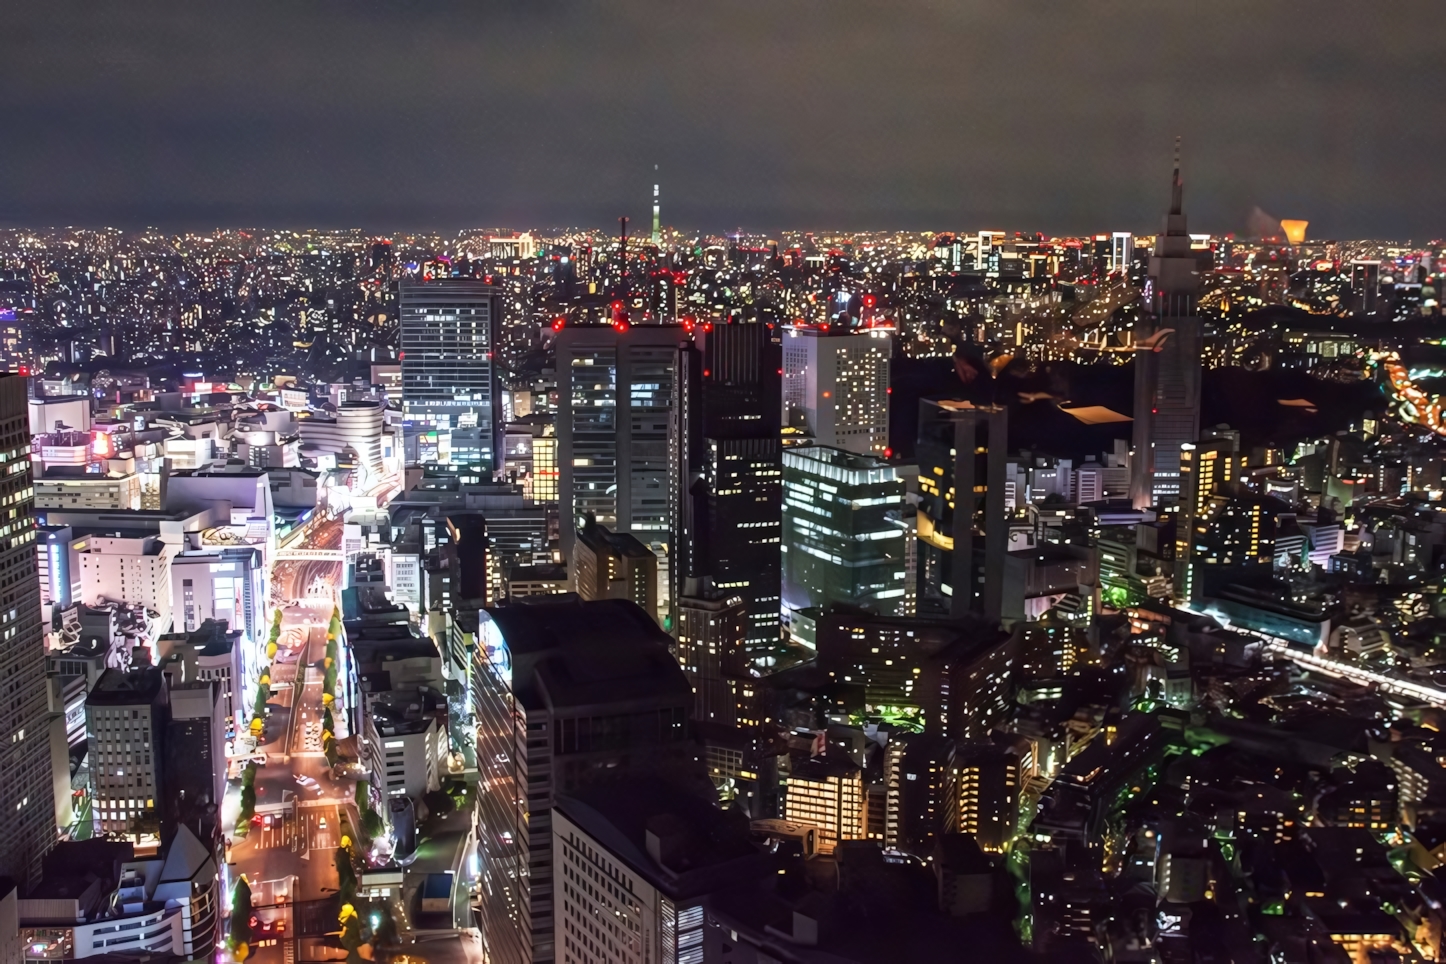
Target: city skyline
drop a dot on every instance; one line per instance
(1065, 586)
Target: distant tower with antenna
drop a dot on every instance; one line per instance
(1167, 361)
(657, 211)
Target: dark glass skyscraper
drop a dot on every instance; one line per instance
(448, 328)
(962, 526)
(736, 471)
(1167, 363)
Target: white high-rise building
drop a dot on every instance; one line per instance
(1122, 252)
(128, 569)
(836, 387)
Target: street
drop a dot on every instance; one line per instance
(288, 854)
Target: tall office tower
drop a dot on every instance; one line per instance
(26, 794)
(734, 505)
(962, 526)
(666, 854)
(126, 715)
(657, 213)
(195, 748)
(619, 437)
(711, 628)
(1205, 467)
(843, 531)
(566, 695)
(449, 327)
(1167, 363)
(1100, 250)
(836, 387)
(1365, 285)
(1122, 250)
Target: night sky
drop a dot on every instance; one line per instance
(762, 114)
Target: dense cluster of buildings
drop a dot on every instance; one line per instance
(869, 599)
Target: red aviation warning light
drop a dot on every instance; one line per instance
(559, 323)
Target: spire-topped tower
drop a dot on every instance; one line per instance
(1167, 371)
(657, 210)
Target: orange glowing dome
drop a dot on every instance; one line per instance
(1294, 230)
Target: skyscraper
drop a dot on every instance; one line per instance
(126, 715)
(657, 213)
(836, 386)
(26, 793)
(710, 630)
(734, 512)
(843, 531)
(566, 695)
(619, 445)
(963, 530)
(448, 330)
(1167, 362)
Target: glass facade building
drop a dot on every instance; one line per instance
(844, 538)
(619, 437)
(448, 327)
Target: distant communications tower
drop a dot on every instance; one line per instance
(657, 224)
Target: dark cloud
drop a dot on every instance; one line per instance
(761, 113)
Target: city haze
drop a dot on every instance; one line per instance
(814, 114)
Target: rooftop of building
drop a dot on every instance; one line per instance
(117, 688)
(80, 473)
(230, 469)
(565, 652)
(546, 573)
(822, 455)
(214, 637)
(399, 713)
(599, 537)
(681, 842)
(385, 644)
(860, 907)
